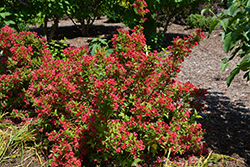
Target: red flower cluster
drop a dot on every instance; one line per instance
(139, 6)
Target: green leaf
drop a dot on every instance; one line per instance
(230, 2)
(109, 51)
(247, 75)
(9, 22)
(246, 58)
(199, 116)
(246, 33)
(5, 14)
(136, 161)
(248, 3)
(232, 75)
(213, 26)
(224, 66)
(233, 8)
(245, 66)
(234, 53)
(204, 10)
(1, 9)
(224, 24)
(229, 41)
(225, 60)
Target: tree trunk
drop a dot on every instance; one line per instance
(45, 27)
(53, 28)
(16, 27)
(150, 27)
(167, 23)
(49, 36)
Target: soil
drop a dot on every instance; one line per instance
(227, 114)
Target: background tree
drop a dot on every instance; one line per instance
(50, 9)
(86, 12)
(161, 14)
(15, 13)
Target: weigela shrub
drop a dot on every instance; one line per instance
(21, 50)
(21, 53)
(122, 107)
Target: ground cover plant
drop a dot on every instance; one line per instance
(14, 140)
(199, 21)
(122, 107)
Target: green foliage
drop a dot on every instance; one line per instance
(45, 10)
(50, 8)
(155, 40)
(113, 10)
(98, 44)
(6, 19)
(199, 21)
(3, 18)
(38, 19)
(57, 48)
(236, 36)
(19, 12)
(113, 17)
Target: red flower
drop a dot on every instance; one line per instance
(4, 60)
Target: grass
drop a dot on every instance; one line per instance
(212, 159)
(16, 143)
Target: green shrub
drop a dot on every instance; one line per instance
(113, 10)
(3, 18)
(18, 12)
(113, 17)
(56, 49)
(199, 21)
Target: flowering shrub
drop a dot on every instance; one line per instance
(21, 53)
(121, 107)
(21, 50)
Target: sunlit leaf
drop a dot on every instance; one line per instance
(232, 75)
(224, 66)
(233, 8)
(229, 41)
